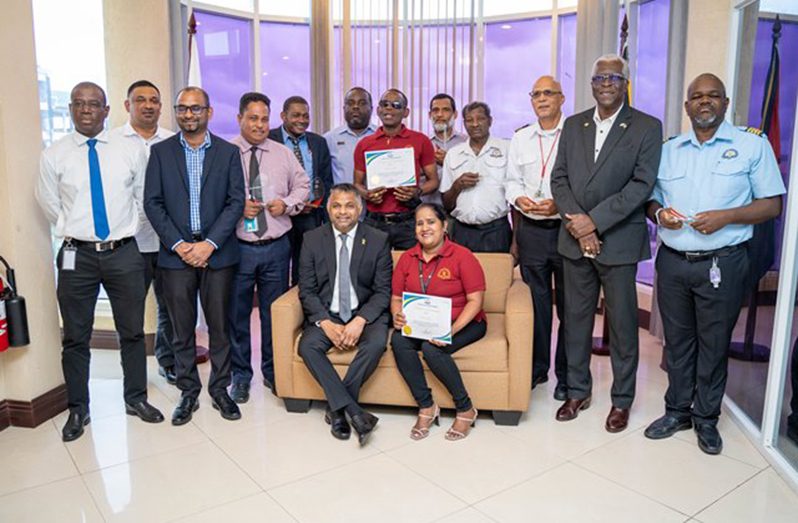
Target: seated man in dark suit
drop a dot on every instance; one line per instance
(345, 289)
(313, 155)
(194, 197)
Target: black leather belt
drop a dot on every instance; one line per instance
(498, 222)
(543, 224)
(696, 256)
(394, 217)
(101, 246)
(259, 242)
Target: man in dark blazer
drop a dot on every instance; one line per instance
(313, 154)
(194, 197)
(606, 168)
(345, 289)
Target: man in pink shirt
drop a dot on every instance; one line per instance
(276, 188)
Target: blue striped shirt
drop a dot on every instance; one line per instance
(194, 161)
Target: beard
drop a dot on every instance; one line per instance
(705, 122)
(442, 127)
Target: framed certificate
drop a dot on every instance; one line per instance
(427, 317)
(391, 168)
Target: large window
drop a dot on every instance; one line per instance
(285, 64)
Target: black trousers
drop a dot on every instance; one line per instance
(214, 286)
(539, 259)
(300, 224)
(401, 235)
(314, 345)
(698, 321)
(121, 273)
(496, 236)
(164, 352)
(583, 280)
(440, 362)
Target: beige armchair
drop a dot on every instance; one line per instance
(497, 370)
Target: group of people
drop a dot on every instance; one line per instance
(567, 197)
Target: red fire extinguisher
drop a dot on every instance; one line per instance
(3, 322)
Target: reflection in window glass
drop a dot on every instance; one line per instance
(516, 54)
(65, 57)
(284, 64)
(294, 9)
(566, 60)
(652, 58)
(225, 52)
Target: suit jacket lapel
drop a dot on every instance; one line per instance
(180, 160)
(589, 140)
(210, 155)
(358, 250)
(616, 132)
(330, 256)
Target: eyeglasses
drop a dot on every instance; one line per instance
(94, 105)
(396, 104)
(548, 93)
(614, 78)
(195, 109)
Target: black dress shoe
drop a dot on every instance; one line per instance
(168, 373)
(226, 406)
(667, 426)
(364, 424)
(73, 428)
(339, 427)
(561, 392)
(182, 414)
(145, 411)
(239, 392)
(269, 384)
(540, 379)
(709, 439)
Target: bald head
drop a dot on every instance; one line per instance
(547, 100)
(88, 86)
(706, 78)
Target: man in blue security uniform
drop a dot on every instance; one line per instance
(714, 183)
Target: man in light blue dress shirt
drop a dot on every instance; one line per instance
(714, 183)
(342, 140)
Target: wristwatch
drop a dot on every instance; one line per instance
(656, 214)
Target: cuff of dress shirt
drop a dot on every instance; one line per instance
(215, 247)
(178, 242)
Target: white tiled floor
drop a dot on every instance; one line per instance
(279, 467)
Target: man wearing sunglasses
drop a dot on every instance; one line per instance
(194, 198)
(390, 209)
(606, 168)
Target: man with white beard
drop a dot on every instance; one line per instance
(442, 115)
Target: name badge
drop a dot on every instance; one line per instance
(68, 258)
(250, 224)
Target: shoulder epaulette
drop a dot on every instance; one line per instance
(752, 130)
(668, 139)
(522, 127)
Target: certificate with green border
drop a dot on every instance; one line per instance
(427, 317)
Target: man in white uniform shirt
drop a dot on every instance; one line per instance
(91, 189)
(473, 182)
(144, 105)
(532, 153)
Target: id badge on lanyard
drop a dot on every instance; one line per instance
(69, 256)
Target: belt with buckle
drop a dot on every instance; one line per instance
(197, 237)
(498, 222)
(101, 246)
(259, 242)
(394, 217)
(696, 256)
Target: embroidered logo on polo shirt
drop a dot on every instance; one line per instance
(496, 153)
(730, 153)
(445, 274)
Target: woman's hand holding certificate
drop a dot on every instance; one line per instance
(427, 317)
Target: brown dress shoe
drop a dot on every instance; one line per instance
(617, 420)
(570, 409)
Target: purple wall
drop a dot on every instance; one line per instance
(284, 64)
(514, 59)
(225, 52)
(566, 62)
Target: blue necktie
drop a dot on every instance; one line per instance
(101, 228)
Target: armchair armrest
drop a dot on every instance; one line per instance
(287, 319)
(518, 324)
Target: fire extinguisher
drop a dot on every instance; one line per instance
(13, 314)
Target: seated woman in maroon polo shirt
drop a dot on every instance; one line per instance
(439, 267)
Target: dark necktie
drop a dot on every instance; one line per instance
(101, 228)
(256, 190)
(297, 151)
(344, 285)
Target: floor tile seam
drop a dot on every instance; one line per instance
(38, 485)
(730, 492)
(317, 473)
(425, 478)
(482, 513)
(629, 489)
(694, 445)
(206, 509)
(606, 443)
(93, 499)
(236, 464)
(529, 478)
(285, 509)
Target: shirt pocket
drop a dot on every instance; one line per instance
(730, 179)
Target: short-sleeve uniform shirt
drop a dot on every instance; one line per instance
(455, 272)
(727, 171)
(424, 154)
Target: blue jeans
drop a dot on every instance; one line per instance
(265, 267)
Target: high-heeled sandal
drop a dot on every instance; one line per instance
(421, 433)
(456, 435)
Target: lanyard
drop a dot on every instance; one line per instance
(425, 283)
(548, 157)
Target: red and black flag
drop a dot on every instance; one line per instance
(770, 101)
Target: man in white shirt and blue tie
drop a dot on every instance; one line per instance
(98, 221)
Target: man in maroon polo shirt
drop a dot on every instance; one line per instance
(391, 209)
